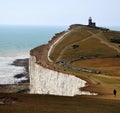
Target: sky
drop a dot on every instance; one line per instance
(59, 12)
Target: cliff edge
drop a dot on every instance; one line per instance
(45, 78)
(83, 58)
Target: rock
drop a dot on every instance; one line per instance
(24, 91)
(21, 62)
(19, 75)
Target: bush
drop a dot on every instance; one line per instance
(75, 46)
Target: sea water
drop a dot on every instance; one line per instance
(16, 42)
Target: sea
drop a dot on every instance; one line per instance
(16, 41)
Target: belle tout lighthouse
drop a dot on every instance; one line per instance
(90, 23)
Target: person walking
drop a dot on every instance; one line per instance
(115, 92)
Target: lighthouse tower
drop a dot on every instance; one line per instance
(90, 23)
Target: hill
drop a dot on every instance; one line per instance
(92, 54)
(87, 41)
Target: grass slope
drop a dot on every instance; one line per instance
(89, 45)
(102, 53)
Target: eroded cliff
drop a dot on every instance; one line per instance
(47, 77)
(46, 81)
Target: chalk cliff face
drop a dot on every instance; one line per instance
(46, 81)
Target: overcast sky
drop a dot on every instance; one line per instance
(60, 12)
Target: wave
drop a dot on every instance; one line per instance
(8, 71)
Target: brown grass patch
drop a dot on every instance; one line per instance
(109, 66)
(57, 104)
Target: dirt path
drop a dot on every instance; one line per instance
(54, 44)
(87, 37)
(101, 40)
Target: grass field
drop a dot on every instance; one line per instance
(55, 104)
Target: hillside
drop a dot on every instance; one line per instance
(87, 41)
(91, 54)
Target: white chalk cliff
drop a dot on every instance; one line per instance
(46, 81)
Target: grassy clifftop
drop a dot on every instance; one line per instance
(86, 41)
(92, 54)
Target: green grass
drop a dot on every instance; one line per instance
(57, 104)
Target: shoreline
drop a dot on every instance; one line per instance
(14, 88)
(22, 63)
(23, 85)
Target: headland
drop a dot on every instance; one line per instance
(85, 51)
